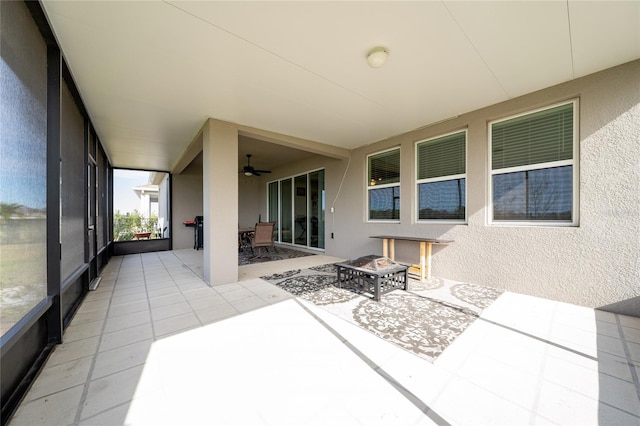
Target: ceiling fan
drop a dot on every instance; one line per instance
(248, 170)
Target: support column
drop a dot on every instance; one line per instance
(220, 202)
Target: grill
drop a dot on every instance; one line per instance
(198, 228)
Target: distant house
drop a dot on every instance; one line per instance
(148, 196)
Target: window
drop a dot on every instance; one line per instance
(533, 171)
(441, 177)
(383, 184)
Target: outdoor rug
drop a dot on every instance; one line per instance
(423, 320)
(245, 257)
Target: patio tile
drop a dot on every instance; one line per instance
(83, 318)
(611, 346)
(618, 393)
(198, 293)
(57, 409)
(573, 337)
(216, 313)
(248, 304)
(123, 300)
(225, 288)
(271, 296)
(109, 417)
(611, 365)
(634, 350)
(83, 330)
(566, 407)
(126, 291)
(122, 358)
(503, 380)
(177, 323)
(159, 283)
(133, 282)
(127, 320)
(93, 296)
(97, 305)
(170, 310)
(56, 378)
(190, 286)
(163, 291)
(128, 308)
(126, 336)
(237, 294)
(69, 351)
(632, 322)
(479, 406)
(208, 301)
(166, 300)
(111, 391)
(631, 334)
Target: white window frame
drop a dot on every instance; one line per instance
(370, 187)
(575, 187)
(441, 179)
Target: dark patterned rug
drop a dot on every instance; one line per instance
(423, 320)
(245, 257)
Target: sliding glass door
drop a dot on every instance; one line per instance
(296, 204)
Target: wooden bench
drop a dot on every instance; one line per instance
(423, 269)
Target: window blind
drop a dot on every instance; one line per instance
(540, 137)
(443, 156)
(384, 168)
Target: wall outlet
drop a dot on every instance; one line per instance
(332, 210)
(332, 235)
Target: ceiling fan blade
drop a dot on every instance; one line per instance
(263, 171)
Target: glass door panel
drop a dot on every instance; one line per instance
(273, 209)
(316, 209)
(300, 210)
(286, 210)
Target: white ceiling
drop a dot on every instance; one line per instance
(151, 72)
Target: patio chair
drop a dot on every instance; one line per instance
(263, 237)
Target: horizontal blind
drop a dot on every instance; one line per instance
(540, 137)
(443, 156)
(384, 168)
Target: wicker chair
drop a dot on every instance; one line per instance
(263, 237)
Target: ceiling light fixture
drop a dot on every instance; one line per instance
(377, 57)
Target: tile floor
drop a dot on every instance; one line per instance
(154, 345)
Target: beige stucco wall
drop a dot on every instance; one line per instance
(248, 201)
(186, 203)
(595, 264)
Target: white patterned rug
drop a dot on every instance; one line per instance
(423, 320)
(246, 257)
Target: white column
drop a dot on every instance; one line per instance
(220, 202)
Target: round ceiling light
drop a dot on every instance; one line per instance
(377, 57)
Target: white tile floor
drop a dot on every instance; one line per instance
(155, 346)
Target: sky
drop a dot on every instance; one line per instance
(124, 199)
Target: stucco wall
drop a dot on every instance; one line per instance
(595, 264)
(248, 201)
(186, 203)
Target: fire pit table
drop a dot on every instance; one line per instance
(372, 274)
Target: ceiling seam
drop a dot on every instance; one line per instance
(476, 50)
(573, 72)
(275, 54)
